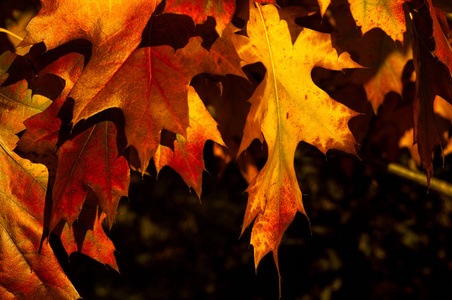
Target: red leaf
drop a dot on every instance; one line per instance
(187, 158)
(443, 50)
(42, 131)
(114, 28)
(87, 235)
(26, 271)
(150, 102)
(89, 162)
(28, 268)
(199, 10)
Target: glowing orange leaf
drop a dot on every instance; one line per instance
(286, 108)
(89, 162)
(388, 77)
(150, 102)
(199, 10)
(114, 28)
(385, 14)
(187, 157)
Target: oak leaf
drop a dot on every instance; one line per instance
(443, 50)
(28, 268)
(42, 132)
(386, 64)
(388, 77)
(187, 157)
(87, 236)
(113, 27)
(41, 138)
(286, 108)
(199, 10)
(441, 108)
(323, 5)
(433, 79)
(149, 100)
(89, 162)
(385, 14)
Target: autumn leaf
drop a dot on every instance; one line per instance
(443, 50)
(388, 77)
(441, 108)
(199, 10)
(87, 236)
(41, 137)
(13, 95)
(89, 162)
(28, 268)
(113, 27)
(385, 14)
(385, 62)
(27, 271)
(432, 79)
(323, 5)
(75, 176)
(187, 157)
(221, 10)
(149, 101)
(42, 132)
(286, 108)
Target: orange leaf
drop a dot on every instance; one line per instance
(42, 131)
(114, 27)
(16, 97)
(385, 14)
(323, 5)
(199, 10)
(27, 271)
(388, 74)
(187, 157)
(286, 108)
(28, 268)
(149, 100)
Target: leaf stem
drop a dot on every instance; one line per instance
(11, 34)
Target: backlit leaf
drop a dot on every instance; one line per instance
(385, 14)
(149, 101)
(199, 10)
(28, 266)
(89, 162)
(187, 157)
(286, 108)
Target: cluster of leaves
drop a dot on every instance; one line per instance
(110, 85)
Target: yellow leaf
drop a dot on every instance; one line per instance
(286, 108)
(385, 14)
